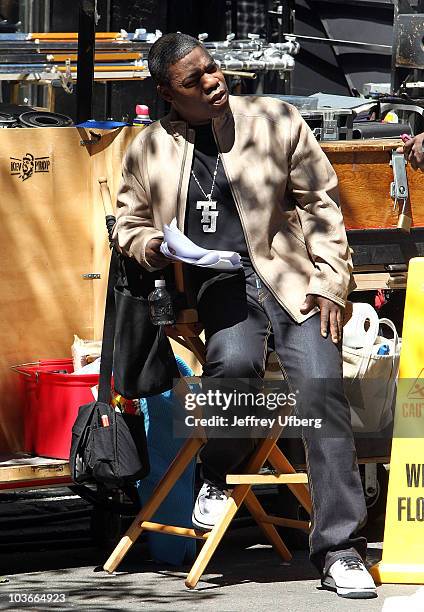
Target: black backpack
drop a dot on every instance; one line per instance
(114, 454)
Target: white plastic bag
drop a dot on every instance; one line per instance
(370, 381)
(85, 352)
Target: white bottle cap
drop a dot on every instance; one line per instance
(160, 283)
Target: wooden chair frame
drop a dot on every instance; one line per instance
(186, 332)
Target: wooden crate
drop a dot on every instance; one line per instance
(364, 173)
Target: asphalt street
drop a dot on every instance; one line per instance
(47, 549)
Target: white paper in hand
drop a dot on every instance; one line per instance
(180, 248)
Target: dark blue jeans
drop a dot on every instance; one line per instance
(242, 320)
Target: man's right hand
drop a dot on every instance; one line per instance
(153, 255)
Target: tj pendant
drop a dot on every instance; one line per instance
(209, 215)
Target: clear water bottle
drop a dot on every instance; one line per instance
(142, 115)
(160, 305)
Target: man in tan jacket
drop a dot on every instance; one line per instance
(246, 174)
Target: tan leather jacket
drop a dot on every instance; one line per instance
(283, 185)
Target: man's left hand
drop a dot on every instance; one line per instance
(331, 315)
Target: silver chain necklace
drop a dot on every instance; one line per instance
(208, 206)
(208, 196)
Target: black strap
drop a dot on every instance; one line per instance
(106, 366)
(106, 359)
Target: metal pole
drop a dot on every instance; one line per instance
(26, 15)
(85, 65)
(46, 16)
(394, 80)
(234, 17)
(108, 86)
(23, 90)
(287, 23)
(48, 92)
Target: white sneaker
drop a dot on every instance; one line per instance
(209, 506)
(349, 577)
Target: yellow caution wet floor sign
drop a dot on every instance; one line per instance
(403, 547)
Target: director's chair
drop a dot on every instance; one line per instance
(187, 332)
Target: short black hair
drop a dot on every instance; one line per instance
(168, 50)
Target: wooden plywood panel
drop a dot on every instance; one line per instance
(365, 174)
(53, 233)
(45, 248)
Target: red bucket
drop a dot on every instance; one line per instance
(52, 402)
(28, 377)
